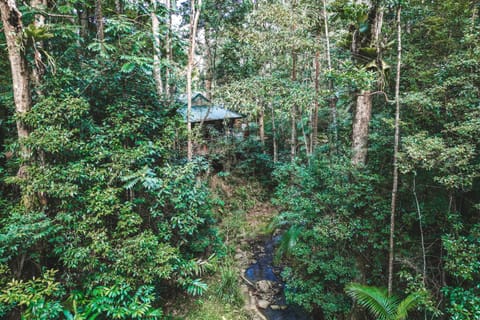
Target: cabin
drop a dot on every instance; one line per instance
(216, 121)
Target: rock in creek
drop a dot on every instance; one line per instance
(266, 286)
(263, 304)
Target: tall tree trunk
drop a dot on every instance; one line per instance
(38, 69)
(194, 16)
(363, 112)
(293, 124)
(261, 124)
(420, 224)
(168, 49)
(99, 21)
(333, 102)
(119, 6)
(305, 138)
(293, 116)
(157, 71)
(361, 122)
(395, 153)
(13, 29)
(209, 64)
(83, 17)
(274, 136)
(37, 74)
(314, 138)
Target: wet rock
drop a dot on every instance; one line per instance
(265, 286)
(263, 304)
(278, 307)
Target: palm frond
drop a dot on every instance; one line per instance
(407, 304)
(374, 299)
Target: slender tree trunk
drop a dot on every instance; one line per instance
(83, 17)
(39, 67)
(305, 139)
(293, 116)
(194, 16)
(376, 35)
(261, 124)
(420, 223)
(99, 21)
(38, 71)
(157, 70)
(316, 105)
(274, 136)
(474, 17)
(333, 102)
(168, 49)
(209, 64)
(395, 152)
(118, 6)
(293, 124)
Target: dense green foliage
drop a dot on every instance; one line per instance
(115, 219)
(335, 215)
(102, 216)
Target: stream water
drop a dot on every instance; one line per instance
(263, 269)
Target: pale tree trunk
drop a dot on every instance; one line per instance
(99, 21)
(157, 71)
(395, 153)
(38, 71)
(261, 124)
(83, 17)
(209, 65)
(305, 137)
(316, 105)
(363, 112)
(168, 49)
(361, 122)
(13, 29)
(274, 136)
(39, 67)
(293, 116)
(420, 223)
(118, 6)
(376, 35)
(474, 18)
(194, 16)
(333, 102)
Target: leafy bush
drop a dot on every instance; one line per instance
(113, 213)
(329, 213)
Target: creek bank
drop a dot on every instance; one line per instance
(263, 287)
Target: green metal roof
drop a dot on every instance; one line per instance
(203, 110)
(208, 113)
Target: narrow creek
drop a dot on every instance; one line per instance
(269, 286)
